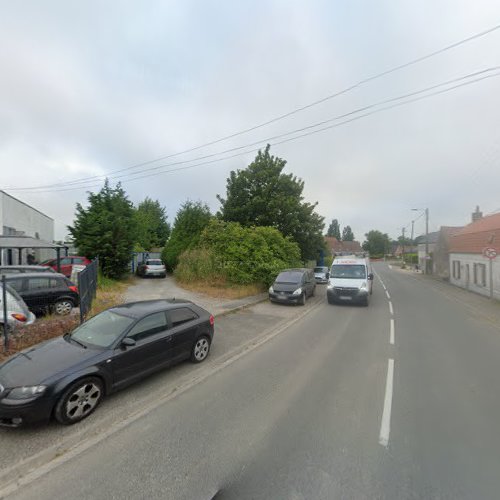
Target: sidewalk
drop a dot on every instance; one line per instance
(479, 305)
(147, 289)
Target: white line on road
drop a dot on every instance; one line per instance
(390, 267)
(390, 308)
(391, 334)
(388, 296)
(385, 426)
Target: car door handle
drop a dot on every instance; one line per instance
(168, 339)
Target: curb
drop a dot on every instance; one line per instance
(241, 306)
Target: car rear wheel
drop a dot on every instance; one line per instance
(200, 349)
(63, 307)
(79, 400)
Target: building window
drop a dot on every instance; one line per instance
(456, 269)
(480, 274)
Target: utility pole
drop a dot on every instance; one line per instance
(426, 241)
(403, 244)
(412, 227)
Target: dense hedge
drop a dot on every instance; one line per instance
(232, 253)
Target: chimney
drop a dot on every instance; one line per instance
(477, 214)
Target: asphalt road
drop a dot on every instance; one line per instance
(335, 406)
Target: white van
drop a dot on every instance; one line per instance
(351, 280)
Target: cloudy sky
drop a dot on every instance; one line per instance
(91, 88)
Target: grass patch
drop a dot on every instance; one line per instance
(224, 290)
(109, 293)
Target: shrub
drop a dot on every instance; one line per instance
(230, 252)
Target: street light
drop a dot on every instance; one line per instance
(426, 210)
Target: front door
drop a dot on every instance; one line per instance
(184, 328)
(153, 350)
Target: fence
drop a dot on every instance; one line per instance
(87, 287)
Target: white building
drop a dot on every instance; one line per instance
(469, 268)
(20, 219)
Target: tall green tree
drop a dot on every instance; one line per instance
(191, 219)
(262, 195)
(334, 229)
(347, 234)
(153, 229)
(377, 243)
(106, 229)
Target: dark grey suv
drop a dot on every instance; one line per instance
(293, 286)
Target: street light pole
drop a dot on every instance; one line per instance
(426, 210)
(426, 241)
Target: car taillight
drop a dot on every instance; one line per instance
(73, 288)
(212, 320)
(19, 317)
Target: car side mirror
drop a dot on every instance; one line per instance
(128, 342)
(370, 276)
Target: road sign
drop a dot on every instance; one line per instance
(490, 252)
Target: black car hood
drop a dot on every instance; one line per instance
(285, 287)
(35, 365)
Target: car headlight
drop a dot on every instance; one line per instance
(271, 289)
(363, 287)
(26, 392)
(330, 285)
(297, 292)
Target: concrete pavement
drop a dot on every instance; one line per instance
(160, 288)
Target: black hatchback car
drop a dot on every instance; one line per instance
(68, 376)
(293, 286)
(45, 292)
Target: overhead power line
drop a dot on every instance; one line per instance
(285, 115)
(305, 134)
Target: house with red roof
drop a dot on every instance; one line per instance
(470, 268)
(337, 247)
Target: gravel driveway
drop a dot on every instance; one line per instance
(166, 288)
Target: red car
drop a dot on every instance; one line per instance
(67, 263)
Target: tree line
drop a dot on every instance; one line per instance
(261, 195)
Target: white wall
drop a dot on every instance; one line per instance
(467, 259)
(421, 253)
(23, 218)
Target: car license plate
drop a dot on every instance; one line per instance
(343, 297)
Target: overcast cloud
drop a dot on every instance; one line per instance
(87, 88)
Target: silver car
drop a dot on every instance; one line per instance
(321, 274)
(152, 267)
(18, 313)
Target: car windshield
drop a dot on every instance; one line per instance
(320, 269)
(348, 271)
(102, 330)
(154, 262)
(291, 277)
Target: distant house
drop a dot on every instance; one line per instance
(441, 252)
(469, 268)
(336, 247)
(431, 239)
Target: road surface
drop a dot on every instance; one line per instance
(339, 405)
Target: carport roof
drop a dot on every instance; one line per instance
(26, 242)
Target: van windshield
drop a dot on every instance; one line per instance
(346, 271)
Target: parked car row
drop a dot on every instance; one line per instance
(350, 280)
(67, 377)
